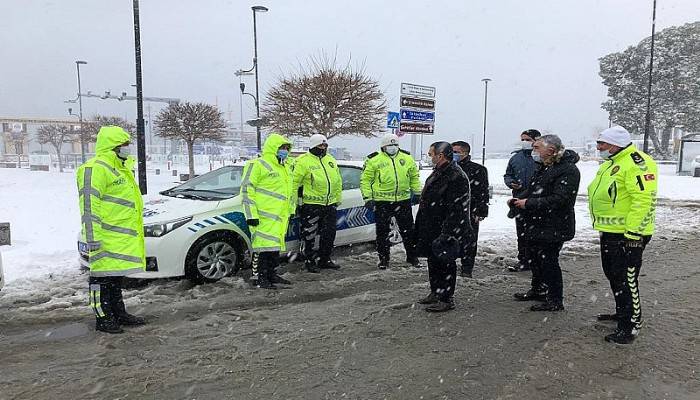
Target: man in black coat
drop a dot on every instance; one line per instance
(442, 223)
(479, 189)
(548, 218)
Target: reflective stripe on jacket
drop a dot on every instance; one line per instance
(622, 197)
(387, 178)
(268, 195)
(320, 179)
(111, 209)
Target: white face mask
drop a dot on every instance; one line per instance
(391, 150)
(124, 152)
(525, 145)
(536, 156)
(605, 154)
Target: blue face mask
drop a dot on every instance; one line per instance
(536, 156)
(456, 157)
(282, 154)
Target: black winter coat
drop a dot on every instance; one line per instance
(478, 185)
(549, 210)
(444, 207)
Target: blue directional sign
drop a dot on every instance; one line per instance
(412, 115)
(393, 119)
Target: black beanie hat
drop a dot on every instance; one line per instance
(532, 133)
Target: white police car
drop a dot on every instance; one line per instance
(198, 229)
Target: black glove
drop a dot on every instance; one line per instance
(415, 198)
(253, 222)
(369, 204)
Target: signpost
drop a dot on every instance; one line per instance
(393, 119)
(417, 112)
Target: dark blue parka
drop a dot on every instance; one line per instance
(520, 169)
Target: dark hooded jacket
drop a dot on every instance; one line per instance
(549, 211)
(478, 185)
(520, 169)
(444, 207)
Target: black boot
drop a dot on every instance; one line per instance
(620, 337)
(108, 325)
(432, 298)
(548, 306)
(414, 262)
(383, 262)
(278, 279)
(531, 295)
(123, 317)
(441, 306)
(311, 266)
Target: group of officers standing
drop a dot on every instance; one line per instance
(451, 204)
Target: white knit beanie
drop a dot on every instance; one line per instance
(317, 139)
(617, 136)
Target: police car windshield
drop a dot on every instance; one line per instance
(222, 183)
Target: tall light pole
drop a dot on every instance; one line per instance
(140, 125)
(78, 63)
(257, 9)
(483, 141)
(647, 122)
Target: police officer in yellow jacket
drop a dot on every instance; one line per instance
(317, 173)
(622, 202)
(111, 211)
(268, 202)
(388, 182)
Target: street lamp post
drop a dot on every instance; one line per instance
(78, 63)
(647, 122)
(483, 141)
(140, 125)
(240, 74)
(257, 9)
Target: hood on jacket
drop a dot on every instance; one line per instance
(273, 143)
(109, 137)
(570, 156)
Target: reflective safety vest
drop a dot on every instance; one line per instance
(622, 197)
(387, 178)
(268, 195)
(320, 179)
(111, 209)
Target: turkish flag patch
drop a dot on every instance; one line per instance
(649, 177)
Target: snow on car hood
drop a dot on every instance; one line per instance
(159, 208)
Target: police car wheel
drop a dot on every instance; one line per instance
(394, 234)
(213, 257)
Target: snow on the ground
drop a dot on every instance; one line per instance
(43, 212)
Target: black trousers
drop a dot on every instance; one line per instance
(318, 221)
(443, 278)
(523, 250)
(401, 210)
(470, 244)
(267, 263)
(546, 271)
(106, 296)
(621, 265)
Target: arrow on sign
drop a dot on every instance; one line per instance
(415, 102)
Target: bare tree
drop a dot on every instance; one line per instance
(190, 122)
(92, 127)
(56, 136)
(328, 99)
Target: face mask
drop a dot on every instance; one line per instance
(282, 154)
(391, 150)
(525, 145)
(456, 157)
(318, 152)
(536, 156)
(605, 154)
(124, 152)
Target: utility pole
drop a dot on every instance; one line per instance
(483, 142)
(647, 122)
(78, 63)
(140, 129)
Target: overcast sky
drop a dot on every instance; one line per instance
(542, 55)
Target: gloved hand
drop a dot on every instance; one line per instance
(369, 204)
(415, 198)
(253, 222)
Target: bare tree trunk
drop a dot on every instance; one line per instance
(666, 138)
(190, 157)
(60, 162)
(654, 135)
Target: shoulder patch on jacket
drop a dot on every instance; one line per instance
(404, 151)
(637, 158)
(372, 154)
